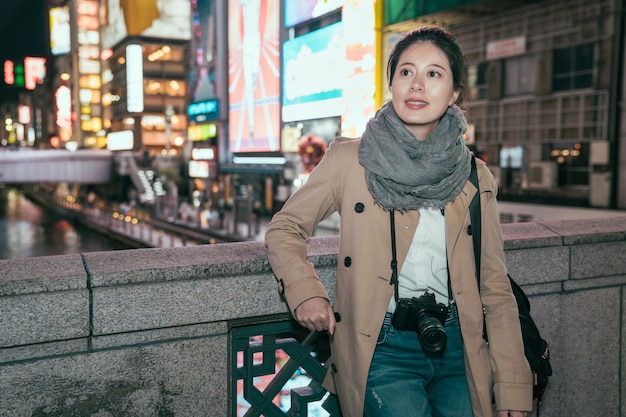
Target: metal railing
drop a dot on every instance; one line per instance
(278, 371)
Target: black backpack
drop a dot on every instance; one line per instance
(535, 347)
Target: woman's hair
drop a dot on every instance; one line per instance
(442, 39)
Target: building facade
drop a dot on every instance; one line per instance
(546, 83)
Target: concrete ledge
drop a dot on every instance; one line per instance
(42, 274)
(146, 332)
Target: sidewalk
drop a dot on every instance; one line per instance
(254, 230)
(162, 233)
(242, 231)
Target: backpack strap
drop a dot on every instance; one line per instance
(475, 224)
(474, 211)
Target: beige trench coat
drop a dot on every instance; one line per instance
(498, 370)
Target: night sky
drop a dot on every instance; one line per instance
(23, 28)
(23, 32)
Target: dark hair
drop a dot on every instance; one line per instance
(442, 39)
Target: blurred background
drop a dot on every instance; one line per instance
(197, 119)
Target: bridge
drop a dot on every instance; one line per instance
(83, 166)
(194, 331)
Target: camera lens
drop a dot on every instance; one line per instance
(432, 335)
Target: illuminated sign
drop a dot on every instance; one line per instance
(13, 74)
(88, 37)
(134, 78)
(254, 78)
(88, 66)
(93, 124)
(202, 132)
(89, 52)
(88, 22)
(87, 7)
(314, 74)
(63, 98)
(207, 154)
(23, 114)
(60, 39)
(199, 169)
(120, 141)
(203, 111)
(92, 81)
(303, 10)
(9, 76)
(359, 88)
(34, 72)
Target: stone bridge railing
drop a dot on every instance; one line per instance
(158, 332)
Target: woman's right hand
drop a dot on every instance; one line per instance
(316, 314)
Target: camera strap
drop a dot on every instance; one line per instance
(394, 260)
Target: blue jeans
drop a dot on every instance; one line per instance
(405, 381)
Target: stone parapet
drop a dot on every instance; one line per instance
(145, 332)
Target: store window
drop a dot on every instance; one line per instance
(519, 75)
(477, 81)
(159, 52)
(573, 68)
(172, 88)
(572, 161)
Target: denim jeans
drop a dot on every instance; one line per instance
(404, 381)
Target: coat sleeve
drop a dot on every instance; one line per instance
(287, 233)
(511, 373)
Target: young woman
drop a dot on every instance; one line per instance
(408, 341)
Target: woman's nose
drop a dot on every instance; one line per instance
(417, 85)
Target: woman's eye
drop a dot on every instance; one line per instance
(405, 72)
(433, 74)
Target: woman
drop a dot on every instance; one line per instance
(404, 185)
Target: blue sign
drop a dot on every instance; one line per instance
(203, 111)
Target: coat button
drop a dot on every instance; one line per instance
(337, 317)
(469, 230)
(359, 207)
(347, 261)
(333, 367)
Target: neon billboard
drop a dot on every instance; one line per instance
(253, 73)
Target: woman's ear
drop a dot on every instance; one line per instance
(455, 97)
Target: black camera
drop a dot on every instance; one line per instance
(425, 316)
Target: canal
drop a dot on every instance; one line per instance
(29, 230)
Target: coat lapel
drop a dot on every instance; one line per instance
(456, 213)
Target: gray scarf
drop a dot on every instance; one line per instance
(404, 173)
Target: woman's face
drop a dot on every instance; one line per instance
(422, 88)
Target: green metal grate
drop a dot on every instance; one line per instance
(278, 369)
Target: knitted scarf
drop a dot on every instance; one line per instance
(404, 173)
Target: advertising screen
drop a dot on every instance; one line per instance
(303, 10)
(163, 19)
(253, 75)
(60, 40)
(314, 74)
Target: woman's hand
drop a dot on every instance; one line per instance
(316, 314)
(509, 413)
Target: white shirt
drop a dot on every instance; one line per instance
(425, 266)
